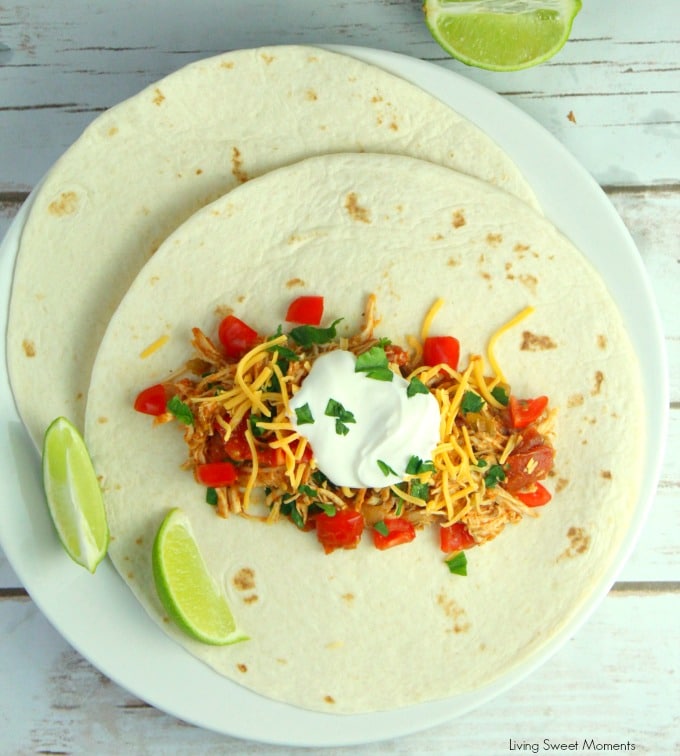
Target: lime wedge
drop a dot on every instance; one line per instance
(187, 591)
(73, 495)
(501, 35)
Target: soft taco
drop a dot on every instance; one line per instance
(361, 629)
(147, 164)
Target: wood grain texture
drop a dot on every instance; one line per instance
(611, 97)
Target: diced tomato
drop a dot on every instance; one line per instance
(537, 497)
(269, 457)
(236, 446)
(307, 310)
(399, 530)
(216, 474)
(525, 411)
(236, 337)
(341, 531)
(441, 350)
(530, 462)
(307, 454)
(152, 400)
(455, 537)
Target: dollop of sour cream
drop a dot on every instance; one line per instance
(389, 426)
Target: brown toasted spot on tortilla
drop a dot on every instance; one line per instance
(29, 347)
(311, 95)
(66, 204)
(282, 661)
(242, 667)
(561, 484)
(294, 282)
(571, 117)
(158, 97)
(579, 542)
(113, 131)
(131, 575)
(199, 171)
(453, 261)
(329, 699)
(356, 212)
(394, 126)
(494, 239)
(454, 613)
(102, 420)
(267, 58)
(606, 474)
(237, 166)
(376, 98)
(139, 541)
(529, 281)
(244, 579)
(575, 400)
(251, 599)
(227, 64)
(533, 342)
(458, 219)
(599, 378)
(601, 341)
(348, 597)
(520, 249)
(436, 237)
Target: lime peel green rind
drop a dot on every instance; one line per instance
(74, 498)
(188, 593)
(501, 35)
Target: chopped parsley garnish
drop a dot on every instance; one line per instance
(303, 415)
(495, 475)
(417, 466)
(381, 527)
(211, 496)
(180, 410)
(374, 363)
(471, 402)
(416, 386)
(289, 509)
(500, 395)
(306, 335)
(341, 415)
(420, 490)
(386, 469)
(457, 564)
(253, 421)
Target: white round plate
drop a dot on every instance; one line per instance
(98, 614)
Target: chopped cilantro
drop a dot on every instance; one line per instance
(319, 478)
(416, 386)
(482, 463)
(328, 509)
(306, 335)
(211, 496)
(420, 490)
(253, 421)
(374, 363)
(457, 564)
(307, 490)
(471, 402)
(416, 466)
(386, 469)
(180, 410)
(289, 509)
(495, 475)
(500, 395)
(303, 415)
(341, 415)
(381, 527)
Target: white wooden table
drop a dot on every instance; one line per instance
(612, 96)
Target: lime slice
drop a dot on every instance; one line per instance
(501, 35)
(187, 591)
(73, 495)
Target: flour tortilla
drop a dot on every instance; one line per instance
(147, 164)
(366, 630)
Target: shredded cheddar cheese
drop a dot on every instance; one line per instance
(494, 339)
(154, 346)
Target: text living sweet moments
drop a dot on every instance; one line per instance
(579, 745)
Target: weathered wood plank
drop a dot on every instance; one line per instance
(584, 692)
(59, 73)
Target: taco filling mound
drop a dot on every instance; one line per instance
(405, 439)
(400, 275)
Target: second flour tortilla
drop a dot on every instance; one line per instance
(365, 630)
(147, 164)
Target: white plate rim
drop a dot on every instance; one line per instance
(112, 630)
